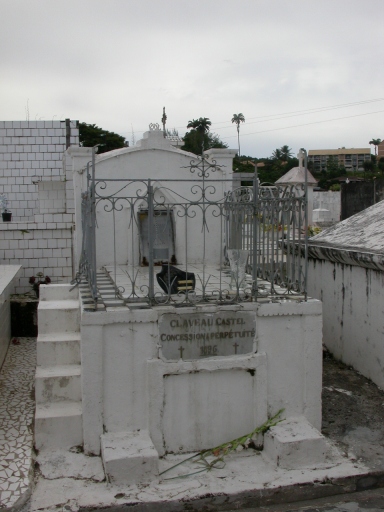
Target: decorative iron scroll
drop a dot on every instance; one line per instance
(267, 223)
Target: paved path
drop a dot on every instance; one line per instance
(352, 406)
(366, 501)
(17, 407)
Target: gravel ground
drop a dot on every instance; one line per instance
(353, 412)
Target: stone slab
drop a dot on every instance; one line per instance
(129, 457)
(295, 443)
(200, 335)
(246, 480)
(55, 464)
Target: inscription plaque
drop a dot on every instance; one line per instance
(200, 335)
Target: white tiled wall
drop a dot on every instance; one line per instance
(31, 151)
(44, 246)
(38, 184)
(51, 196)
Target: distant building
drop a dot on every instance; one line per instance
(380, 150)
(351, 158)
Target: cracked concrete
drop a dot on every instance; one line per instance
(353, 419)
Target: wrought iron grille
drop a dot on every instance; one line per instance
(195, 240)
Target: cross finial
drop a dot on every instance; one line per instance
(164, 120)
(300, 156)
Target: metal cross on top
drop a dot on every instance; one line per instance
(300, 156)
(164, 120)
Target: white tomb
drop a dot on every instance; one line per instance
(179, 372)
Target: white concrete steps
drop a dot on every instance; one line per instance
(53, 292)
(58, 425)
(58, 419)
(58, 316)
(55, 383)
(58, 348)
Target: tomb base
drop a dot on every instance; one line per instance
(295, 443)
(129, 457)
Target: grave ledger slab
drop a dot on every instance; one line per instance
(201, 335)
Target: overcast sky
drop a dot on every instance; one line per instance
(307, 73)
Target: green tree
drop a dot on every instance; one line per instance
(277, 165)
(276, 154)
(380, 165)
(199, 138)
(90, 135)
(368, 166)
(375, 142)
(201, 127)
(286, 153)
(237, 119)
(333, 167)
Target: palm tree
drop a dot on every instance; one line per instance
(277, 155)
(237, 119)
(201, 125)
(286, 153)
(375, 142)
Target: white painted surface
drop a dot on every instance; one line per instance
(346, 272)
(30, 154)
(123, 377)
(330, 201)
(58, 425)
(295, 443)
(8, 276)
(298, 176)
(199, 404)
(58, 420)
(39, 187)
(155, 158)
(66, 321)
(246, 476)
(56, 464)
(129, 457)
(52, 196)
(363, 231)
(353, 310)
(291, 335)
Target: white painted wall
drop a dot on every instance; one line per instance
(330, 201)
(39, 247)
(8, 275)
(155, 158)
(124, 388)
(31, 151)
(35, 177)
(353, 312)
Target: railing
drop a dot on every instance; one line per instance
(192, 241)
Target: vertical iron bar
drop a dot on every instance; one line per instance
(114, 246)
(254, 234)
(92, 276)
(150, 242)
(306, 224)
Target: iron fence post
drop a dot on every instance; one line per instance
(254, 233)
(150, 243)
(306, 223)
(92, 276)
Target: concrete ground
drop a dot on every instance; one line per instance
(353, 419)
(365, 501)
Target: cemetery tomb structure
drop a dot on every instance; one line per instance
(194, 322)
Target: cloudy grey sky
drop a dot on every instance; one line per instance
(307, 73)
